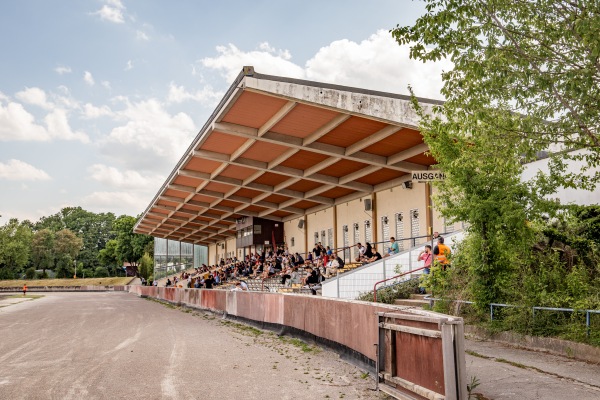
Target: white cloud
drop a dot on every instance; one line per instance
(140, 35)
(151, 137)
(59, 128)
(117, 202)
(34, 96)
(112, 12)
(129, 65)
(230, 61)
(377, 63)
(18, 124)
(88, 78)
(16, 170)
(61, 70)
(128, 179)
(206, 96)
(106, 84)
(90, 111)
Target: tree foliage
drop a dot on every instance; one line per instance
(15, 248)
(529, 70)
(130, 246)
(526, 79)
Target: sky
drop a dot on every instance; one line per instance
(100, 98)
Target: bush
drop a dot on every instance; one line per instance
(41, 275)
(87, 273)
(388, 294)
(101, 272)
(30, 273)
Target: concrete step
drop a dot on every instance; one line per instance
(415, 296)
(411, 302)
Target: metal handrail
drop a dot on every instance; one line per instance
(394, 277)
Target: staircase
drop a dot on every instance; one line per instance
(415, 300)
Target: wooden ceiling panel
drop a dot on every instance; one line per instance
(218, 187)
(187, 181)
(304, 120)
(422, 159)
(343, 167)
(305, 204)
(400, 141)
(203, 198)
(271, 179)
(202, 165)
(276, 198)
(305, 186)
(383, 175)
(280, 213)
(351, 131)
(245, 192)
(176, 193)
(253, 109)
(167, 203)
(337, 192)
(237, 172)
(222, 143)
(304, 159)
(264, 152)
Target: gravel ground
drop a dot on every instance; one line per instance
(115, 345)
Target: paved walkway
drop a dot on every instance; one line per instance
(510, 373)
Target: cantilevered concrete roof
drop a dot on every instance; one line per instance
(280, 148)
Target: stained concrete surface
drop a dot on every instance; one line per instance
(116, 345)
(506, 372)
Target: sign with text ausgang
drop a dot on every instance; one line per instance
(427, 176)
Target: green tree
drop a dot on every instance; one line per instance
(130, 246)
(529, 70)
(146, 266)
(525, 80)
(15, 248)
(43, 249)
(67, 247)
(94, 229)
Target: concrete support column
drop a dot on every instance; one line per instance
(375, 221)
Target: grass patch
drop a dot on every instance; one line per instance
(305, 347)
(29, 296)
(18, 283)
(244, 329)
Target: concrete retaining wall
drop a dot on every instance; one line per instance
(349, 323)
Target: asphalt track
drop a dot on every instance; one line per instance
(118, 346)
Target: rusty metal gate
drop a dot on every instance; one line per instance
(421, 356)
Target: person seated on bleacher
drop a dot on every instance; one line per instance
(298, 260)
(361, 252)
(331, 267)
(393, 249)
(286, 276)
(376, 256)
(368, 252)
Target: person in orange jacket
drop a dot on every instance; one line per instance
(24, 289)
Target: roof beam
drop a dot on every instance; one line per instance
(278, 116)
(291, 172)
(316, 147)
(372, 139)
(325, 129)
(403, 155)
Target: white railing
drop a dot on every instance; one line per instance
(360, 280)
